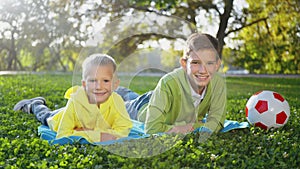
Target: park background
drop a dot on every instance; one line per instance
(43, 41)
(256, 36)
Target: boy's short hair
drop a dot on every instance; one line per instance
(198, 41)
(96, 60)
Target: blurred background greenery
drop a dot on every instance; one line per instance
(256, 36)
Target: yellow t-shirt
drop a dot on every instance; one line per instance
(111, 118)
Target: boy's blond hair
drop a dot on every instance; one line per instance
(199, 41)
(96, 60)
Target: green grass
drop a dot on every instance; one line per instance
(21, 147)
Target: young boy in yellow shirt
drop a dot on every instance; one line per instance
(93, 111)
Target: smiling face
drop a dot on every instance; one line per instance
(99, 83)
(200, 67)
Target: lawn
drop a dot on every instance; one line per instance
(21, 147)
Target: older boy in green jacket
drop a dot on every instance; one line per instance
(192, 97)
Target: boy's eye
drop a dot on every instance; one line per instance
(92, 80)
(106, 81)
(195, 62)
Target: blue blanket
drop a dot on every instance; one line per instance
(136, 132)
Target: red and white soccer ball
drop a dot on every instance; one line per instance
(267, 109)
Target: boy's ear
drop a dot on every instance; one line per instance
(183, 63)
(218, 64)
(83, 83)
(116, 83)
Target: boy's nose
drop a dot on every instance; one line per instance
(98, 85)
(202, 68)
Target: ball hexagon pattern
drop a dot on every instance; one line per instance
(267, 109)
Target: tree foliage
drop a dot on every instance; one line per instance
(271, 46)
(51, 35)
(34, 36)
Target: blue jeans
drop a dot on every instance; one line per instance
(42, 112)
(126, 93)
(133, 101)
(133, 106)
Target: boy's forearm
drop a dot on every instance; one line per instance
(212, 124)
(107, 137)
(182, 129)
(157, 127)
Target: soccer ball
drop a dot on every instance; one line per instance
(267, 109)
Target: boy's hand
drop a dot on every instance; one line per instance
(107, 137)
(182, 129)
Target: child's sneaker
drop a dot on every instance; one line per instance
(25, 105)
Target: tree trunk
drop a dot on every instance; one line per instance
(12, 55)
(223, 24)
